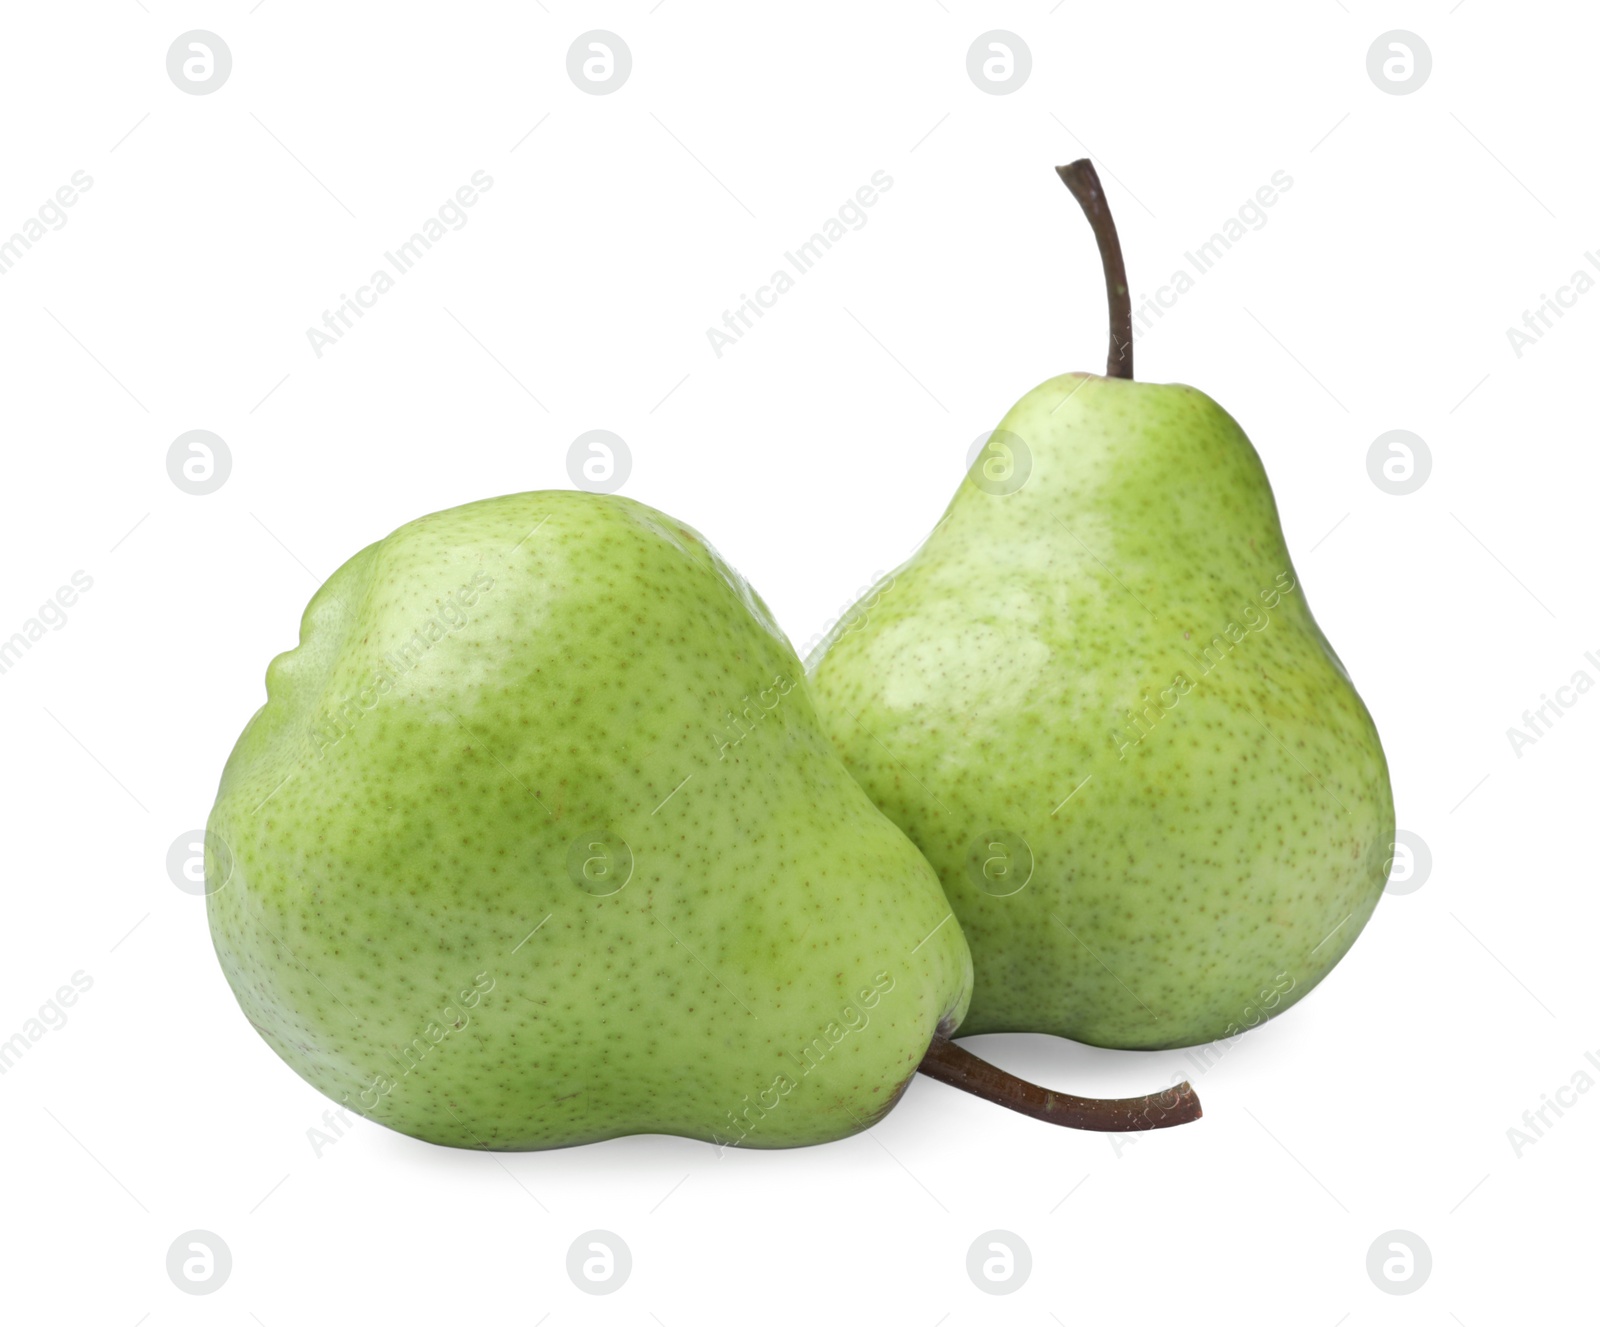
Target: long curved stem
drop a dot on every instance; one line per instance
(1080, 177)
(950, 1064)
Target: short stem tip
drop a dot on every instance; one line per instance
(960, 1068)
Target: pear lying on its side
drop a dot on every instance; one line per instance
(1098, 702)
(537, 841)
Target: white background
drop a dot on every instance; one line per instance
(815, 453)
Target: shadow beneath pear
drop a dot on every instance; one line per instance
(632, 1155)
(1094, 1071)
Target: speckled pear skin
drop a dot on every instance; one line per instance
(1116, 664)
(407, 923)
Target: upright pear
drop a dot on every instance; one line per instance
(537, 841)
(1097, 700)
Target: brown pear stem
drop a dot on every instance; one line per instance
(1080, 177)
(950, 1064)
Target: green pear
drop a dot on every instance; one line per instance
(1097, 700)
(537, 841)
